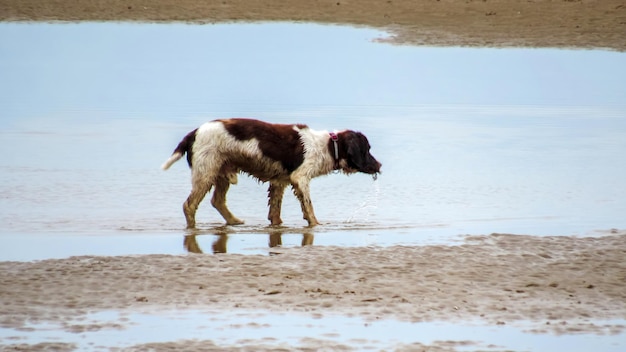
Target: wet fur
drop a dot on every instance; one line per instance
(280, 154)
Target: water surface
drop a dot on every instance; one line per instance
(472, 141)
(112, 329)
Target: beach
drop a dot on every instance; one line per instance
(493, 23)
(418, 252)
(562, 285)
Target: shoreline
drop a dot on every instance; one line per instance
(494, 23)
(563, 285)
(552, 285)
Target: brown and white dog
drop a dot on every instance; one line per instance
(279, 154)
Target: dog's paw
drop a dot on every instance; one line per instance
(235, 221)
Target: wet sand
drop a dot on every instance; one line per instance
(559, 284)
(494, 23)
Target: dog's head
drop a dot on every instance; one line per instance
(356, 154)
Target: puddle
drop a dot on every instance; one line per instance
(472, 141)
(108, 244)
(112, 329)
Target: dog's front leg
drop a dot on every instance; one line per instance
(301, 190)
(275, 194)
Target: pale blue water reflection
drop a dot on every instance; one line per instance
(117, 329)
(472, 141)
(155, 70)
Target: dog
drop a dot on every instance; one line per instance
(281, 154)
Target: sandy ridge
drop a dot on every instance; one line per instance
(496, 23)
(562, 283)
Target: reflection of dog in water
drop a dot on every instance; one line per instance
(279, 154)
(220, 244)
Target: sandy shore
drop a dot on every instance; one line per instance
(497, 23)
(560, 284)
(563, 284)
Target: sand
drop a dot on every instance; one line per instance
(559, 284)
(494, 23)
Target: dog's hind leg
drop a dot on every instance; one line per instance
(275, 194)
(198, 191)
(222, 183)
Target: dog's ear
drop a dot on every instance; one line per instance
(357, 148)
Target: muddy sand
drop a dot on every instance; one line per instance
(559, 284)
(497, 23)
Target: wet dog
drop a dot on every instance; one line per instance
(280, 154)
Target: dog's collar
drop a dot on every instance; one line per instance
(334, 138)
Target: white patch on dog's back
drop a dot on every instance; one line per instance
(214, 146)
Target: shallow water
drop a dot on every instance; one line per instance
(112, 329)
(472, 141)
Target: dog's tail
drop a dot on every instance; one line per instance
(183, 147)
